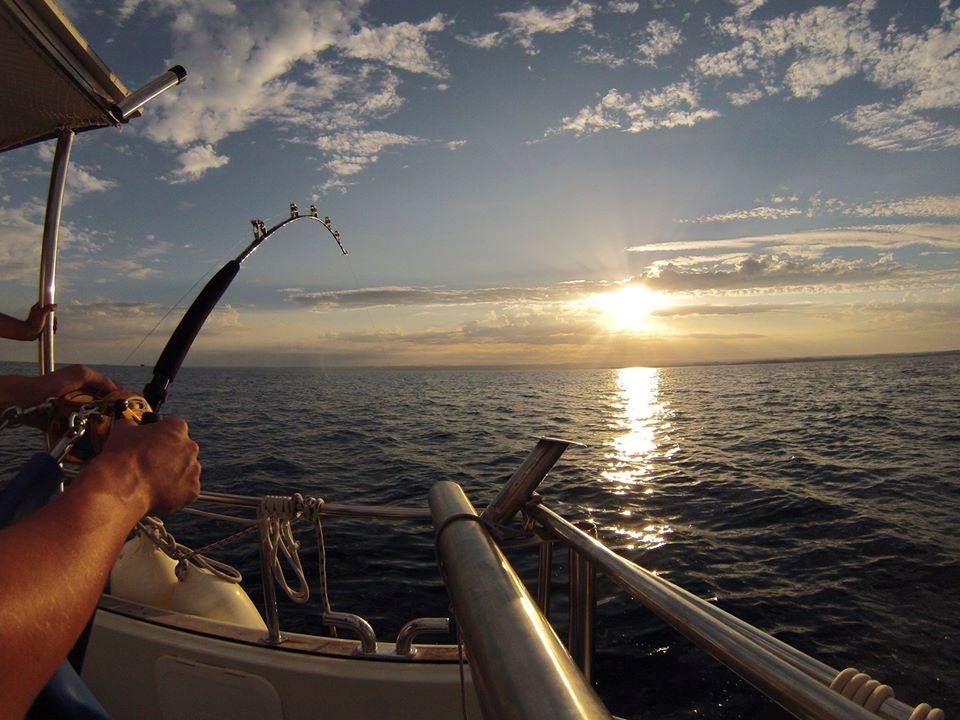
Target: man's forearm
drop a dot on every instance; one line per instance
(15, 329)
(53, 566)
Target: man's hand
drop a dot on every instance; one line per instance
(155, 465)
(37, 319)
(25, 391)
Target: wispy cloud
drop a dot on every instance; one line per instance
(195, 162)
(809, 244)
(806, 52)
(771, 271)
(312, 70)
(660, 38)
(524, 25)
(721, 309)
(81, 180)
(922, 206)
(418, 296)
(403, 46)
(800, 55)
(676, 105)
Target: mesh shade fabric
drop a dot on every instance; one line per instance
(50, 79)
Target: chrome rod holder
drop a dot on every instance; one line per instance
(417, 627)
(355, 624)
(525, 480)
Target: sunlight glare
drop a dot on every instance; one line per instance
(628, 308)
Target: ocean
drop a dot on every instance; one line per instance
(817, 500)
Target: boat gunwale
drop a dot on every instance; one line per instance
(297, 643)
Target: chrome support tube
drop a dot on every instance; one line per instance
(525, 480)
(583, 603)
(417, 627)
(51, 239)
(355, 624)
(779, 680)
(519, 666)
(544, 566)
(138, 98)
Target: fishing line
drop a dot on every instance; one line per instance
(167, 314)
(373, 327)
(177, 304)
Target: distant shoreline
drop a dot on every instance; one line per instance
(532, 366)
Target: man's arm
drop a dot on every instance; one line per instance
(16, 329)
(25, 391)
(54, 563)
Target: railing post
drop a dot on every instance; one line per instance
(544, 566)
(582, 610)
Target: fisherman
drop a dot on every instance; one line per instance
(55, 562)
(29, 329)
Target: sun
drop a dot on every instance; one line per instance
(628, 308)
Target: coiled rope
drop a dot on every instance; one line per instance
(871, 694)
(154, 530)
(276, 514)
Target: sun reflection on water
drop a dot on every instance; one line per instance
(638, 422)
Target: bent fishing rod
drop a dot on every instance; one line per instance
(164, 372)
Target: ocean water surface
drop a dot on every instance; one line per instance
(817, 500)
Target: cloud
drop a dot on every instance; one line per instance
(21, 229)
(310, 69)
(756, 213)
(195, 162)
(921, 206)
(676, 105)
(660, 39)
(486, 41)
(407, 296)
(81, 179)
(239, 56)
(402, 46)
(770, 271)
(806, 52)
(592, 56)
(747, 95)
(624, 8)
(21, 232)
(747, 309)
(524, 25)
(693, 245)
(810, 244)
(896, 128)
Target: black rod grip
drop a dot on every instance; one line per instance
(179, 343)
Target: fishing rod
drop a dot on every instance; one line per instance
(164, 372)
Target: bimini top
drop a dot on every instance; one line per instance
(51, 80)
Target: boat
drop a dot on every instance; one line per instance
(176, 636)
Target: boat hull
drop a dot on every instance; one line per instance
(144, 663)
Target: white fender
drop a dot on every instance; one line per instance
(202, 593)
(144, 574)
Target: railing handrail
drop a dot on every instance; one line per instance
(333, 509)
(520, 669)
(782, 673)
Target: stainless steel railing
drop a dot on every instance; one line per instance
(516, 659)
(520, 668)
(794, 680)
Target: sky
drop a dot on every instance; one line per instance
(608, 183)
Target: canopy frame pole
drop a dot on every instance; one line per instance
(51, 240)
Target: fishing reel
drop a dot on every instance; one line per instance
(82, 421)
